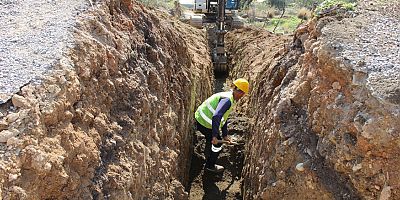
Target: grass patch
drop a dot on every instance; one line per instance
(168, 4)
(286, 25)
(346, 4)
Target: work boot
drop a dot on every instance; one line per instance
(216, 169)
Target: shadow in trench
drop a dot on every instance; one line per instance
(208, 185)
(211, 190)
(220, 79)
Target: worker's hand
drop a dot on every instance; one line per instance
(214, 140)
(226, 138)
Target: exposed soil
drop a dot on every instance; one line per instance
(113, 121)
(327, 101)
(111, 117)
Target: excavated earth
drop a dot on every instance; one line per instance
(324, 108)
(97, 102)
(108, 115)
(225, 185)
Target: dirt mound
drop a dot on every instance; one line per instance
(112, 121)
(324, 109)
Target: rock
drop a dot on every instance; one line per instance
(68, 115)
(336, 86)
(7, 134)
(13, 141)
(300, 167)
(386, 193)
(12, 177)
(3, 125)
(19, 101)
(308, 44)
(47, 167)
(357, 167)
(12, 117)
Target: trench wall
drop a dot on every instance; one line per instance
(319, 102)
(113, 118)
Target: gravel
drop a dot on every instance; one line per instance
(34, 36)
(371, 43)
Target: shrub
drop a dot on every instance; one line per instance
(304, 13)
(279, 4)
(270, 12)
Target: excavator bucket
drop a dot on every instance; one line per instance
(220, 63)
(196, 21)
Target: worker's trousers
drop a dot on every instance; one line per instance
(211, 151)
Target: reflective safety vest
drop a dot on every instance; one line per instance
(206, 110)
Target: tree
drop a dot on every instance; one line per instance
(279, 4)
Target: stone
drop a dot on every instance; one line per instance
(357, 167)
(12, 117)
(308, 44)
(12, 177)
(300, 167)
(68, 115)
(3, 125)
(386, 193)
(19, 101)
(336, 86)
(7, 134)
(13, 141)
(47, 167)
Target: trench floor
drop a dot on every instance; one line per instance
(225, 185)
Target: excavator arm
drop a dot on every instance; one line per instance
(222, 14)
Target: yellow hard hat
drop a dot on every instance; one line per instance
(242, 84)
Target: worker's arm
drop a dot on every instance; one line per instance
(223, 105)
(225, 132)
(225, 129)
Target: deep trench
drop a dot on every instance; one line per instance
(229, 184)
(225, 185)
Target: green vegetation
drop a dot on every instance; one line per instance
(346, 4)
(284, 16)
(284, 25)
(279, 4)
(304, 13)
(167, 4)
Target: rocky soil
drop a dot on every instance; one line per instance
(325, 107)
(112, 118)
(32, 39)
(97, 102)
(226, 185)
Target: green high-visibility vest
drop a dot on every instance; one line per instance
(206, 110)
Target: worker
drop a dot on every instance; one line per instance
(212, 115)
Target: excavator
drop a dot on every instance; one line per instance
(219, 16)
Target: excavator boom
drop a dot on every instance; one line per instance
(222, 14)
